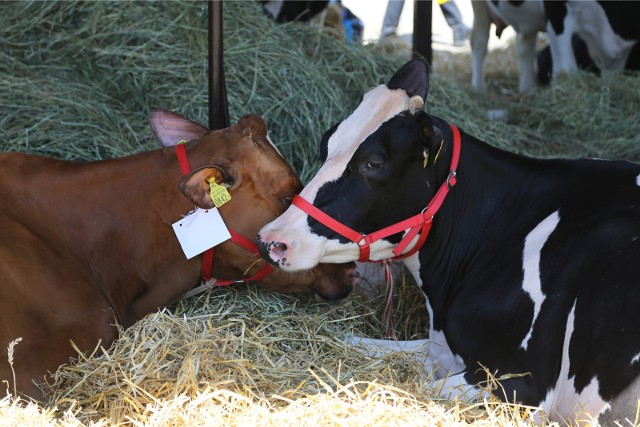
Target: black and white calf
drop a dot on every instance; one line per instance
(530, 266)
(526, 17)
(581, 32)
(609, 28)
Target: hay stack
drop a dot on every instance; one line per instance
(77, 81)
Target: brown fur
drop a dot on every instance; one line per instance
(85, 246)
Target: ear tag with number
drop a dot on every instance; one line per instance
(200, 230)
(218, 193)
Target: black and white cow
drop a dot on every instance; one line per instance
(530, 267)
(609, 28)
(580, 32)
(526, 17)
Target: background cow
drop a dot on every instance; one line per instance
(526, 17)
(609, 29)
(86, 246)
(530, 268)
(580, 33)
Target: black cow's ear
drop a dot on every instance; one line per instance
(413, 77)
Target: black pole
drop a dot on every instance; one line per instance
(422, 17)
(218, 108)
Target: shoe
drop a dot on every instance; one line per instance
(461, 34)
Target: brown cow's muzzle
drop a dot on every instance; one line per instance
(336, 281)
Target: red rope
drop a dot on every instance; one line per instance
(388, 319)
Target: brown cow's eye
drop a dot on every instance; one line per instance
(286, 200)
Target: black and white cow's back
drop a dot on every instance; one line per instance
(531, 266)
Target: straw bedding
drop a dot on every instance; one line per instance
(77, 81)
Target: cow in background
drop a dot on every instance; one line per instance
(529, 267)
(88, 245)
(526, 17)
(609, 28)
(584, 34)
(296, 10)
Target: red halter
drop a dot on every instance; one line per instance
(237, 238)
(420, 223)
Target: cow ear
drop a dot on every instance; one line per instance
(413, 77)
(171, 128)
(252, 125)
(196, 185)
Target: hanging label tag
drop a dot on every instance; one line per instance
(200, 231)
(218, 193)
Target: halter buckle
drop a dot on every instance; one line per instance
(451, 178)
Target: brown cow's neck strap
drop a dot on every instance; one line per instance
(237, 238)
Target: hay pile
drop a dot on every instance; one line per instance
(77, 81)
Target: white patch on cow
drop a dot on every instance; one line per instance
(563, 402)
(378, 106)
(635, 358)
(445, 362)
(638, 180)
(274, 7)
(531, 283)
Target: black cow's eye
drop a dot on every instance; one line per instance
(374, 164)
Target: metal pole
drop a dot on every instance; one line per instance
(422, 17)
(218, 108)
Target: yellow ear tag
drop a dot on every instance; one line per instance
(425, 162)
(182, 141)
(218, 193)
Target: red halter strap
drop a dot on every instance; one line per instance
(237, 238)
(420, 223)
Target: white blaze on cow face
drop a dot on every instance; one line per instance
(303, 248)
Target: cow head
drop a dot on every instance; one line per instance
(374, 174)
(261, 184)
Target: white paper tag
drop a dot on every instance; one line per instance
(200, 231)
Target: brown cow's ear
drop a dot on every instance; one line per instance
(252, 126)
(171, 128)
(195, 186)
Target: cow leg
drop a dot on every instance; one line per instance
(560, 30)
(526, 49)
(456, 387)
(479, 42)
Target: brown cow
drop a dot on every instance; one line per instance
(86, 245)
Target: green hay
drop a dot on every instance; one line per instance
(80, 78)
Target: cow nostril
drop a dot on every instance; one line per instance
(278, 250)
